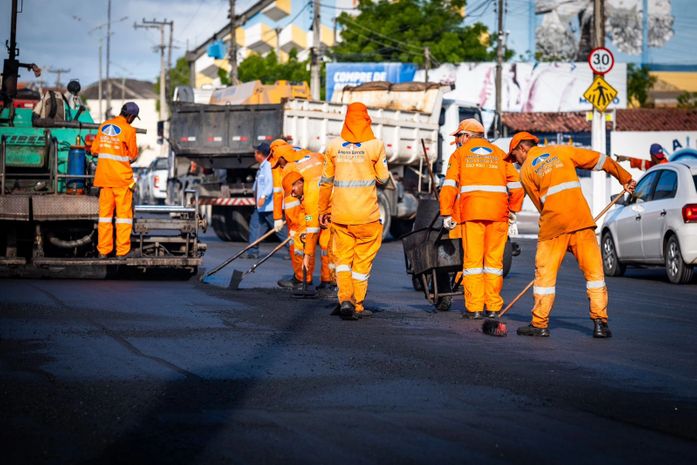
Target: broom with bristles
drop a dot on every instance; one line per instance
(497, 327)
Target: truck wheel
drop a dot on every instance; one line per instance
(237, 220)
(385, 217)
(219, 223)
(507, 258)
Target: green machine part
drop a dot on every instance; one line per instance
(27, 147)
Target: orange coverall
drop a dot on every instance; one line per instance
(549, 178)
(486, 188)
(115, 146)
(353, 164)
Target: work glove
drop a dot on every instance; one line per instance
(512, 225)
(449, 223)
(278, 225)
(512, 218)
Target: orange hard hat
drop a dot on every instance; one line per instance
(468, 125)
(290, 179)
(287, 152)
(517, 139)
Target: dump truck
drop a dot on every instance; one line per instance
(212, 145)
(48, 206)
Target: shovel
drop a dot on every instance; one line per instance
(304, 291)
(236, 256)
(238, 275)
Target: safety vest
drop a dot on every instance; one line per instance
(115, 146)
(549, 178)
(488, 187)
(348, 182)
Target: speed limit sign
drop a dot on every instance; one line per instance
(601, 60)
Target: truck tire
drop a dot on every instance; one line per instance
(385, 217)
(237, 220)
(507, 258)
(219, 223)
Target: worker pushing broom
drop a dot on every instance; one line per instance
(548, 175)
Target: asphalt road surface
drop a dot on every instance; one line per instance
(144, 372)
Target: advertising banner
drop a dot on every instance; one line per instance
(340, 75)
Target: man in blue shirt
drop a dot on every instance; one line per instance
(262, 217)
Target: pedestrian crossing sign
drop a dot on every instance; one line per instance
(600, 94)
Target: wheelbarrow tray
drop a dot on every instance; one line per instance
(426, 249)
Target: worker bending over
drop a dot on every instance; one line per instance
(348, 201)
(548, 175)
(115, 146)
(480, 190)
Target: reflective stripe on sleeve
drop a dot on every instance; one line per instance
(544, 290)
(332, 266)
(324, 180)
(514, 185)
(449, 183)
(343, 268)
(104, 219)
(601, 161)
(111, 156)
(595, 284)
(124, 220)
(561, 187)
(365, 183)
(483, 188)
(292, 204)
(278, 189)
(312, 230)
(359, 276)
(496, 271)
(298, 252)
(472, 271)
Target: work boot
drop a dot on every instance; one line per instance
(365, 313)
(600, 329)
(530, 330)
(131, 254)
(103, 256)
(472, 315)
(348, 311)
(492, 314)
(288, 283)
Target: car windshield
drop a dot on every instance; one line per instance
(160, 164)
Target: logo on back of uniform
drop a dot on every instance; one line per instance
(540, 159)
(111, 130)
(481, 150)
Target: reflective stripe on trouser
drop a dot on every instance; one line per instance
(355, 248)
(483, 244)
(119, 200)
(550, 253)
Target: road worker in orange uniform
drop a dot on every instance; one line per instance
(277, 188)
(480, 190)
(658, 157)
(548, 175)
(354, 163)
(115, 146)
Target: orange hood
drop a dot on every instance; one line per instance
(357, 124)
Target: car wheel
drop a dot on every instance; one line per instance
(611, 262)
(677, 270)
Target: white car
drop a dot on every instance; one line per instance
(657, 225)
(154, 183)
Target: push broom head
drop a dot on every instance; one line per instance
(494, 328)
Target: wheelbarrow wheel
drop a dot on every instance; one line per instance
(416, 283)
(444, 303)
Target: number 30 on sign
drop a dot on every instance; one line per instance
(601, 60)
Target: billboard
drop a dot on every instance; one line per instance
(340, 75)
(528, 87)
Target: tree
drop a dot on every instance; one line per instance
(268, 70)
(687, 100)
(178, 75)
(639, 83)
(400, 30)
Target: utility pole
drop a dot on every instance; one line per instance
(427, 62)
(58, 73)
(314, 69)
(499, 69)
(278, 43)
(599, 142)
(645, 33)
(169, 61)
(101, 114)
(232, 55)
(154, 24)
(108, 60)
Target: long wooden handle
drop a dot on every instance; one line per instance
(276, 249)
(238, 254)
(527, 288)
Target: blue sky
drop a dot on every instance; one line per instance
(55, 33)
